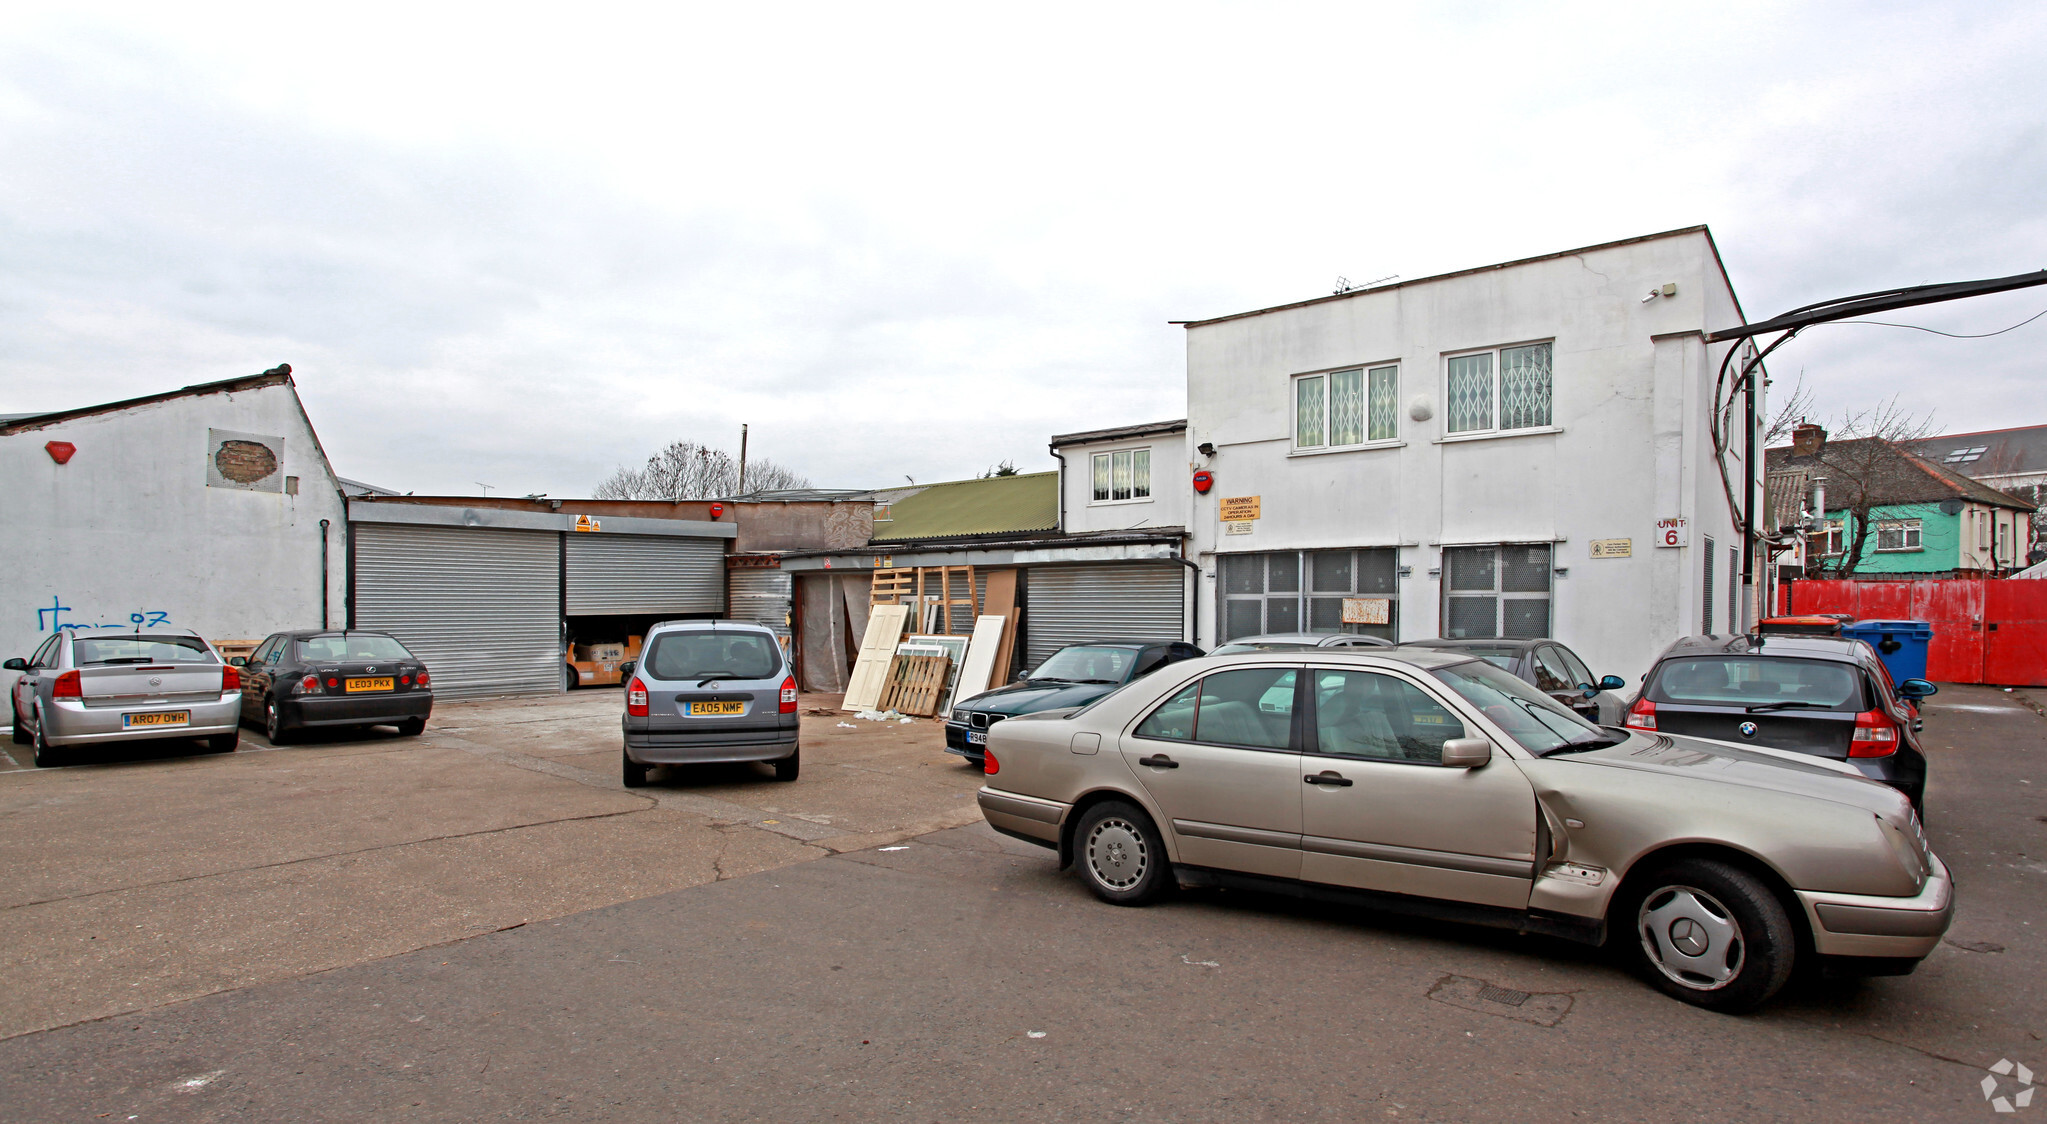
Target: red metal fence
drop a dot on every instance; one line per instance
(1985, 630)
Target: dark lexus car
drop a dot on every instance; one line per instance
(1075, 675)
(324, 677)
(1827, 696)
(1553, 669)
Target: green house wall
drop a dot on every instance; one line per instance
(1940, 537)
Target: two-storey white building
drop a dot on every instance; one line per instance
(1518, 450)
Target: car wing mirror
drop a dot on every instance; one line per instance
(238, 661)
(628, 667)
(1613, 683)
(15, 664)
(1466, 753)
(1917, 689)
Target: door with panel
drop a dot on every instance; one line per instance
(1380, 811)
(1219, 759)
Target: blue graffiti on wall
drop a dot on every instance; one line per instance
(51, 619)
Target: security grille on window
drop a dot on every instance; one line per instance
(1493, 592)
(1122, 475)
(1898, 534)
(1306, 591)
(1346, 408)
(1499, 390)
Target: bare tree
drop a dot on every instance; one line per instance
(686, 470)
(1797, 405)
(1865, 469)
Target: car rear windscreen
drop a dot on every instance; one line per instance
(1755, 681)
(352, 646)
(95, 650)
(704, 655)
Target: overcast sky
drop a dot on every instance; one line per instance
(521, 245)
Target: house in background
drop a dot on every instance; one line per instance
(1925, 519)
(2013, 461)
(1516, 450)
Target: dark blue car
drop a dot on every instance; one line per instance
(1075, 675)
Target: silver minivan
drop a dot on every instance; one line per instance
(706, 692)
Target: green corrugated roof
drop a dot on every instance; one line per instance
(1025, 502)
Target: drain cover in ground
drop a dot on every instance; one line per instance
(1543, 1008)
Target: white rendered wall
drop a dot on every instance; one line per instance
(1631, 381)
(129, 527)
(1167, 506)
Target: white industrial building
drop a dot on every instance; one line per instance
(1517, 450)
(211, 508)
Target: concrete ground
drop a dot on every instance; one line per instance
(958, 975)
(168, 874)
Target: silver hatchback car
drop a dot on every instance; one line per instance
(1430, 782)
(705, 692)
(91, 687)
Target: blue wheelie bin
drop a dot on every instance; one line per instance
(1900, 644)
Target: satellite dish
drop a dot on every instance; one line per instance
(1950, 507)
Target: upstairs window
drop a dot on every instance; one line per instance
(1498, 391)
(1344, 409)
(1898, 534)
(1122, 475)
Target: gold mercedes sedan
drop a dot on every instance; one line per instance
(1431, 783)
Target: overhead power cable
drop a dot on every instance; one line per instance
(1951, 335)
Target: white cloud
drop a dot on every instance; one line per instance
(521, 247)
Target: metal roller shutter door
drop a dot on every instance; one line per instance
(618, 574)
(480, 606)
(764, 596)
(1075, 604)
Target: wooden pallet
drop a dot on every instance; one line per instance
(914, 684)
(890, 586)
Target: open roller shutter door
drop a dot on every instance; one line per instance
(620, 574)
(481, 607)
(762, 595)
(1127, 601)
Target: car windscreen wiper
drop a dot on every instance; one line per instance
(1110, 681)
(1788, 706)
(717, 675)
(1047, 679)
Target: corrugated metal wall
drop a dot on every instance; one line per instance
(1119, 601)
(480, 607)
(617, 574)
(761, 595)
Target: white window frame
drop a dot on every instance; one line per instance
(1110, 455)
(1495, 430)
(1907, 529)
(1366, 371)
(1833, 540)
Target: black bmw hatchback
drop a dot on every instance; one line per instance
(1826, 696)
(295, 680)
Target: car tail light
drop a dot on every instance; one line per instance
(310, 685)
(789, 695)
(1875, 735)
(420, 680)
(334, 682)
(405, 679)
(66, 687)
(989, 765)
(230, 679)
(1642, 715)
(636, 698)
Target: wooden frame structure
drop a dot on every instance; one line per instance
(893, 586)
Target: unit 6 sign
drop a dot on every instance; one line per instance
(1672, 532)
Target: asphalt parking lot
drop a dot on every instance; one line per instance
(884, 971)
